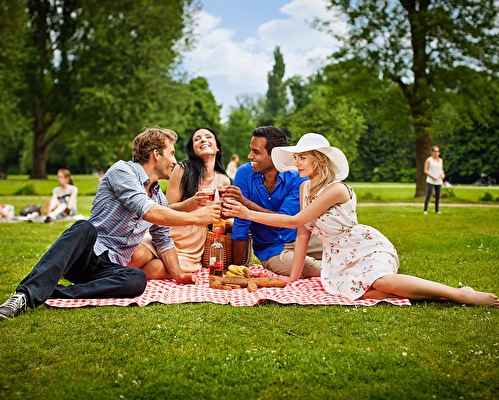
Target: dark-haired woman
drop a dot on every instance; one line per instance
(186, 191)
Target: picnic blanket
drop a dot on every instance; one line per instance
(304, 292)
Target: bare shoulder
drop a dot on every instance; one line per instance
(340, 191)
(177, 172)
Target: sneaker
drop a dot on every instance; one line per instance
(16, 305)
(47, 219)
(425, 212)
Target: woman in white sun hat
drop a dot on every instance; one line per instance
(357, 261)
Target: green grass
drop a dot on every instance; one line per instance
(425, 351)
(404, 192)
(87, 185)
(378, 192)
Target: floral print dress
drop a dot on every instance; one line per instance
(353, 255)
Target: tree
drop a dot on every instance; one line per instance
(301, 90)
(240, 125)
(276, 98)
(418, 44)
(335, 118)
(385, 151)
(195, 107)
(97, 69)
(12, 87)
(467, 124)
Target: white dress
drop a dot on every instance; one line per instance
(353, 255)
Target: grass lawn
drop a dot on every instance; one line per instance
(366, 192)
(429, 350)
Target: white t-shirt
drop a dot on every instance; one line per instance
(435, 169)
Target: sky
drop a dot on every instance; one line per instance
(236, 39)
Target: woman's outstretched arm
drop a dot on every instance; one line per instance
(336, 193)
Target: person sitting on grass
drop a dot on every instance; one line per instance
(93, 254)
(261, 187)
(63, 200)
(358, 261)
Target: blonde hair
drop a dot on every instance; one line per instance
(323, 167)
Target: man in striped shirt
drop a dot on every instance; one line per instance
(93, 254)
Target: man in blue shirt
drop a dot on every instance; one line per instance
(259, 186)
(93, 254)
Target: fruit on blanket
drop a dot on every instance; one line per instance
(231, 274)
(238, 270)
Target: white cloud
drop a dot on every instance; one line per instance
(217, 54)
(244, 65)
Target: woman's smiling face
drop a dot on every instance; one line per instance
(204, 143)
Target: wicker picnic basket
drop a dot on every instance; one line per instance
(226, 241)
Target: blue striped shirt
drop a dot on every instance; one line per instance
(118, 210)
(285, 199)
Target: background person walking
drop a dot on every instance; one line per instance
(434, 170)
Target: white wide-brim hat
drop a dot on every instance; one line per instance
(284, 161)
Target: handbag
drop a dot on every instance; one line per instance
(30, 209)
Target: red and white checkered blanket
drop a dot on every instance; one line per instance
(304, 291)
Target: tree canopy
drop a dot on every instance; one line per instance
(276, 99)
(79, 79)
(93, 69)
(418, 44)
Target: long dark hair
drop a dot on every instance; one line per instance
(194, 166)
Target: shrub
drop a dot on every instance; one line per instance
(27, 189)
(370, 196)
(448, 193)
(487, 196)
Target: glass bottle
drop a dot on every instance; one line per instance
(217, 255)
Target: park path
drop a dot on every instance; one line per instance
(443, 205)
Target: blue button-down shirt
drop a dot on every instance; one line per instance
(285, 199)
(118, 210)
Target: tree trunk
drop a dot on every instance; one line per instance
(40, 151)
(419, 97)
(421, 117)
(423, 145)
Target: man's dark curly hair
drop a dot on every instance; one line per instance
(275, 136)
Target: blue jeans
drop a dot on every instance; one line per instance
(73, 258)
(429, 189)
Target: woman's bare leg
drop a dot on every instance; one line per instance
(416, 288)
(141, 256)
(155, 269)
(377, 295)
(145, 259)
